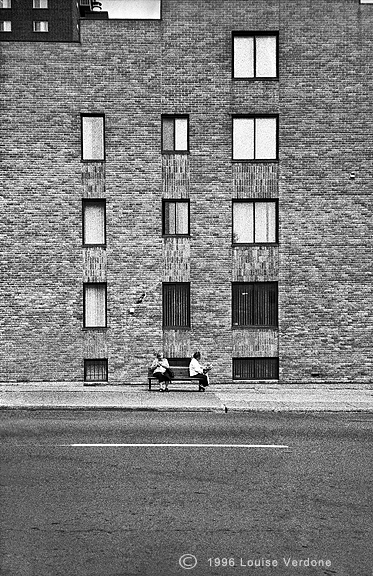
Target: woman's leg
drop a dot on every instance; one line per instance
(166, 380)
(203, 380)
(160, 378)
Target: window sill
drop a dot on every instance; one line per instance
(256, 78)
(176, 235)
(249, 245)
(257, 380)
(254, 161)
(103, 246)
(256, 327)
(97, 328)
(185, 328)
(178, 152)
(87, 161)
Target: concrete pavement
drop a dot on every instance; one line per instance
(272, 398)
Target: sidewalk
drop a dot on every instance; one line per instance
(216, 399)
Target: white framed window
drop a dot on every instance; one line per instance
(94, 225)
(40, 26)
(94, 303)
(255, 221)
(5, 26)
(5, 3)
(40, 4)
(255, 138)
(255, 55)
(93, 142)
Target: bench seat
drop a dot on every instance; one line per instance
(181, 375)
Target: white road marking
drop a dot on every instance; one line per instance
(139, 445)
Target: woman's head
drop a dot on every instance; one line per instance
(197, 355)
(159, 354)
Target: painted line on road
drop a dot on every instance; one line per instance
(179, 445)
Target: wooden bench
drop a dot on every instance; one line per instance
(181, 375)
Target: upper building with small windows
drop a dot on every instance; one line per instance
(39, 21)
(185, 176)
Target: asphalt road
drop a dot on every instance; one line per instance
(296, 492)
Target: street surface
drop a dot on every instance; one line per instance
(295, 498)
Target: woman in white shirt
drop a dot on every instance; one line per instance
(197, 370)
(159, 367)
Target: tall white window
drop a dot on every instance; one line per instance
(255, 138)
(94, 222)
(93, 145)
(94, 295)
(255, 55)
(5, 26)
(5, 3)
(41, 26)
(40, 4)
(175, 134)
(254, 222)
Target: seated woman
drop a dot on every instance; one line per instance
(197, 370)
(159, 367)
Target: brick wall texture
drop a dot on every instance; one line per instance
(133, 72)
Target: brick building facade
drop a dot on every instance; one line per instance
(220, 160)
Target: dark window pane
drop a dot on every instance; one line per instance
(255, 368)
(95, 370)
(254, 304)
(176, 305)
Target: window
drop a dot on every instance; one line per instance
(93, 146)
(254, 222)
(94, 222)
(175, 217)
(95, 370)
(255, 138)
(133, 9)
(40, 4)
(255, 368)
(5, 3)
(255, 55)
(40, 26)
(6, 26)
(94, 305)
(176, 305)
(254, 304)
(366, 1)
(175, 134)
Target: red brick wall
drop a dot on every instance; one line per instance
(133, 72)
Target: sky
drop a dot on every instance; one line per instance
(132, 8)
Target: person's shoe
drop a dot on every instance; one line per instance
(160, 390)
(201, 389)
